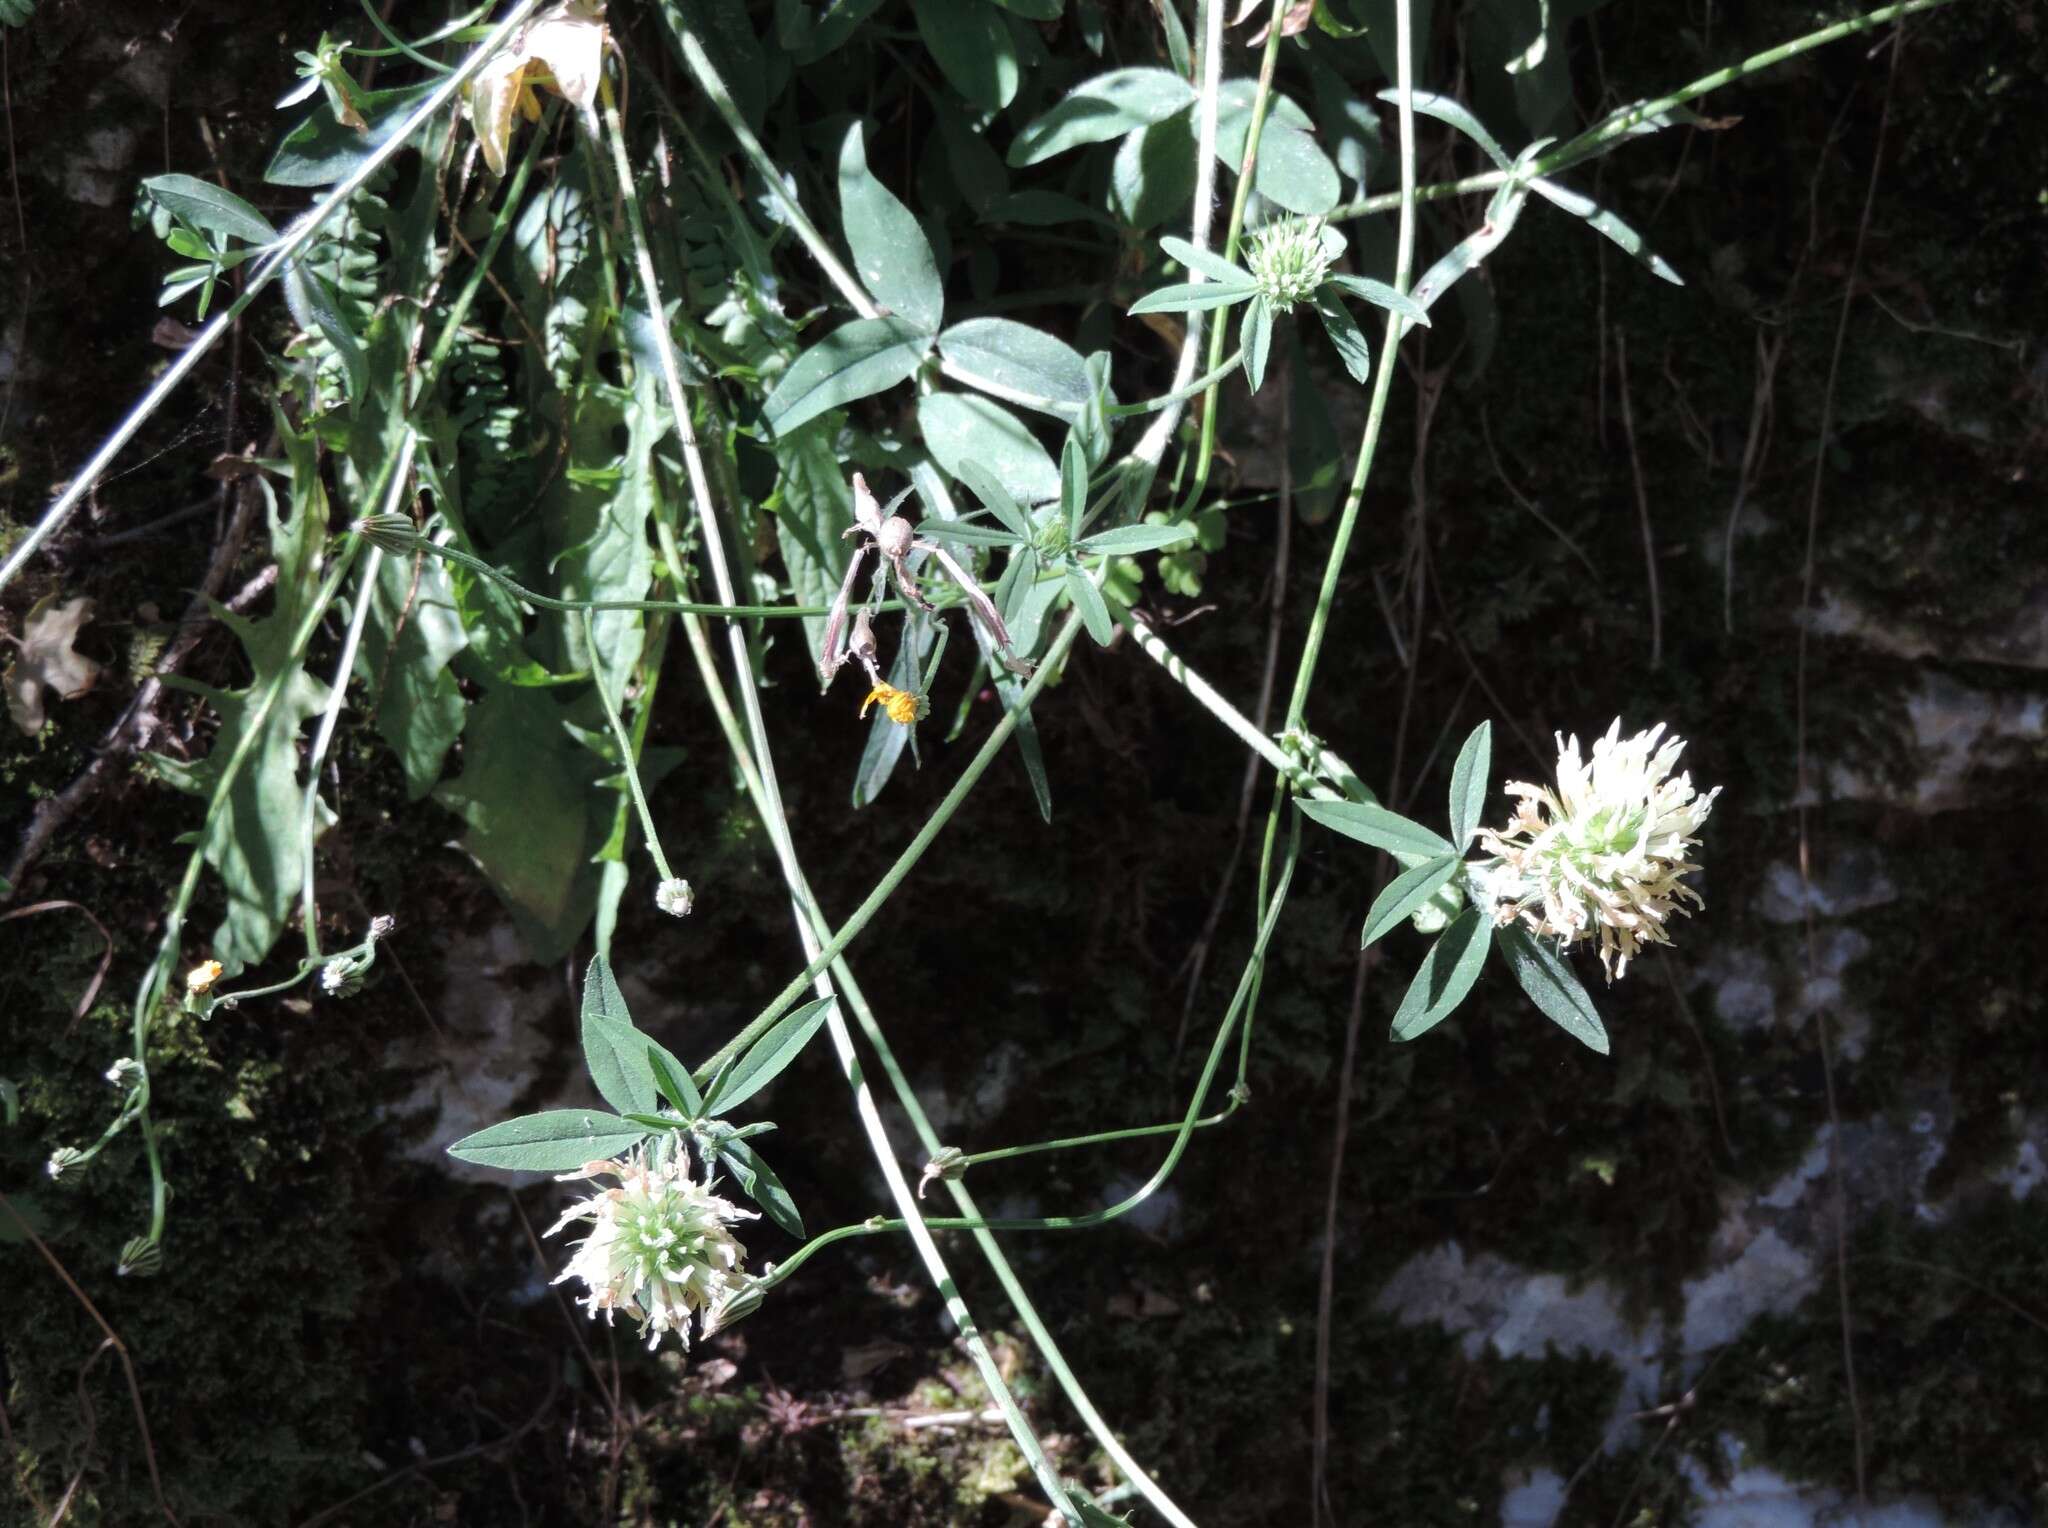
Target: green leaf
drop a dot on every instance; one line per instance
(674, 1081)
(1603, 222)
(1406, 892)
(322, 150)
(1380, 295)
(1468, 784)
(963, 533)
(1191, 296)
(1453, 114)
(559, 1141)
(1020, 364)
(1353, 349)
(759, 1183)
(1034, 10)
(314, 306)
(1097, 110)
(766, 1058)
(1153, 175)
(1088, 600)
(1550, 985)
(15, 13)
(1377, 826)
(1073, 485)
(1448, 972)
(1208, 262)
(971, 44)
(252, 835)
(890, 251)
(854, 361)
(613, 1050)
(1501, 215)
(1255, 334)
(813, 511)
(964, 429)
(410, 637)
(990, 490)
(1010, 688)
(1294, 172)
(208, 208)
(1127, 540)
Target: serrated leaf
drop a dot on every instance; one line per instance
(1377, 826)
(1447, 974)
(558, 1141)
(1468, 783)
(759, 1183)
(1551, 986)
(1128, 540)
(890, 252)
(766, 1058)
(1255, 336)
(854, 361)
(1406, 892)
(1097, 110)
(209, 208)
(963, 430)
(1020, 364)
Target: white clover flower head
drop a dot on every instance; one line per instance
(674, 897)
(1289, 260)
(1604, 853)
(660, 1246)
(125, 1073)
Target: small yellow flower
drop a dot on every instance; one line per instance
(562, 49)
(200, 979)
(903, 706)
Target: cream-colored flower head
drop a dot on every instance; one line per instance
(1290, 258)
(561, 49)
(660, 1246)
(1603, 853)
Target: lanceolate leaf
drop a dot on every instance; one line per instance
(1255, 334)
(1105, 107)
(766, 1058)
(674, 1081)
(1380, 295)
(1551, 986)
(1468, 783)
(1088, 600)
(1454, 114)
(1406, 892)
(1190, 297)
(1021, 364)
(613, 1050)
(759, 1183)
(1377, 826)
(207, 207)
(1447, 974)
(973, 48)
(1208, 262)
(1601, 221)
(1125, 540)
(558, 1141)
(1352, 347)
(855, 361)
(890, 251)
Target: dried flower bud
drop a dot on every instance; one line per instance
(950, 1164)
(904, 707)
(200, 979)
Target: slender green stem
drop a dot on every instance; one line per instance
(1201, 384)
(713, 85)
(1383, 381)
(1247, 172)
(626, 752)
(264, 271)
(1100, 1138)
(1603, 134)
(777, 824)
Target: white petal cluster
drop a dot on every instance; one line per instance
(1290, 258)
(1604, 853)
(660, 1246)
(561, 49)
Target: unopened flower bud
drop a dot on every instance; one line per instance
(674, 897)
(125, 1073)
(950, 1164)
(62, 1161)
